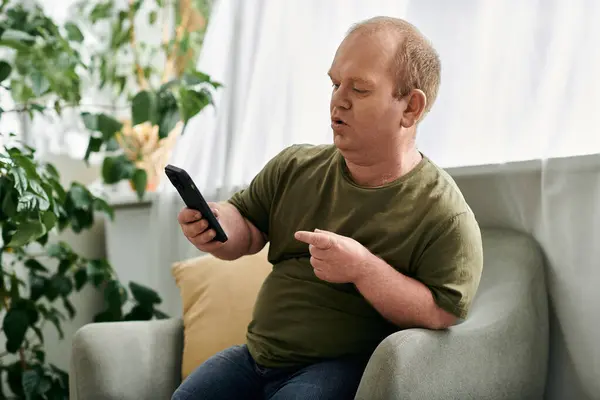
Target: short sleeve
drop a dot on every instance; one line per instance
(255, 201)
(452, 263)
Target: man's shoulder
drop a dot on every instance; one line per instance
(445, 197)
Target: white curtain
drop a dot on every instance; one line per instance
(520, 82)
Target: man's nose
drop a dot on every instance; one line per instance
(339, 99)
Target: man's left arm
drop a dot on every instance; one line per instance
(445, 280)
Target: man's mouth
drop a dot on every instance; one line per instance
(337, 121)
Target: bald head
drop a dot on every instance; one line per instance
(416, 64)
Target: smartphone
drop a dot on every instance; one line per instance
(193, 199)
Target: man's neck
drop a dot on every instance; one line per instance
(384, 170)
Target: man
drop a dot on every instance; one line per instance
(367, 236)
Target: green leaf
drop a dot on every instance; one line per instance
(108, 316)
(39, 84)
(14, 375)
(45, 386)
(52, 171)
(12, 35)
(137, 4)
(81, 219)
(49, 220)
(184, 44)
(64, 266)
(27, 202)
(58, 250)
(9, 204)
(58, 189)
(167, 122)
(15, 282)
(163, 90)
(29, 307)
(31, 381)
(94, 146)
(15, 326)
(57, 107)
(63, 377)
(117, 168)
(102, 205)
(69, 307)
(101, 11)
(54, 316)
(140, 180)
(73, 32)
(38, 333)
(8, 230)
(195, 77)
(112, 145)
(32, 312)
(144, 108)
(37, 286)
(50, 290)
(108, 126)
(144, 295)
(191, 102)
(39, 355)
(80, 196)
(21, 92)
(20, 177)
(5, 70)
(35, 186)
(80, 278)
(115, 294)
(121, 82)
(44, 238)
(61, 285)
(139, 313)
(27, 232)
(98, 271)
(90, 120)
(38, 107)
(152, 17)
(160, 315)
(35, 265)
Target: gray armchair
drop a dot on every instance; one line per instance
(499, 352)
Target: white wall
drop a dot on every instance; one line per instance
(89, 244)
(559, 209)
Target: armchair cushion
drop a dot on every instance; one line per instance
(218, 298)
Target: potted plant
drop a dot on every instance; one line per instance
(39, 275)
(161, 96)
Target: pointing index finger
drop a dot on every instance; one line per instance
(321, 241)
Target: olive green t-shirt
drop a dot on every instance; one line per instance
(419, 224)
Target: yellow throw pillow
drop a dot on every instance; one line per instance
(218, 298)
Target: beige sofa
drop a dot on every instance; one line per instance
(499, 352)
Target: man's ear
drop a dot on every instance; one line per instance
(416, 101)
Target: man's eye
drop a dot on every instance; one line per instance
(359, 91)
(335, 86)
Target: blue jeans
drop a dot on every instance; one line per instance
(232, 374)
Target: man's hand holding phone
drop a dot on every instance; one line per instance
(196, 229)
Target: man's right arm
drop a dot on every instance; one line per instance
(243, 237)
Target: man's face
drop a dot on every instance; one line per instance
(363, 94)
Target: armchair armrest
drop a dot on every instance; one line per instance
(126, 360)
(499, 353)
